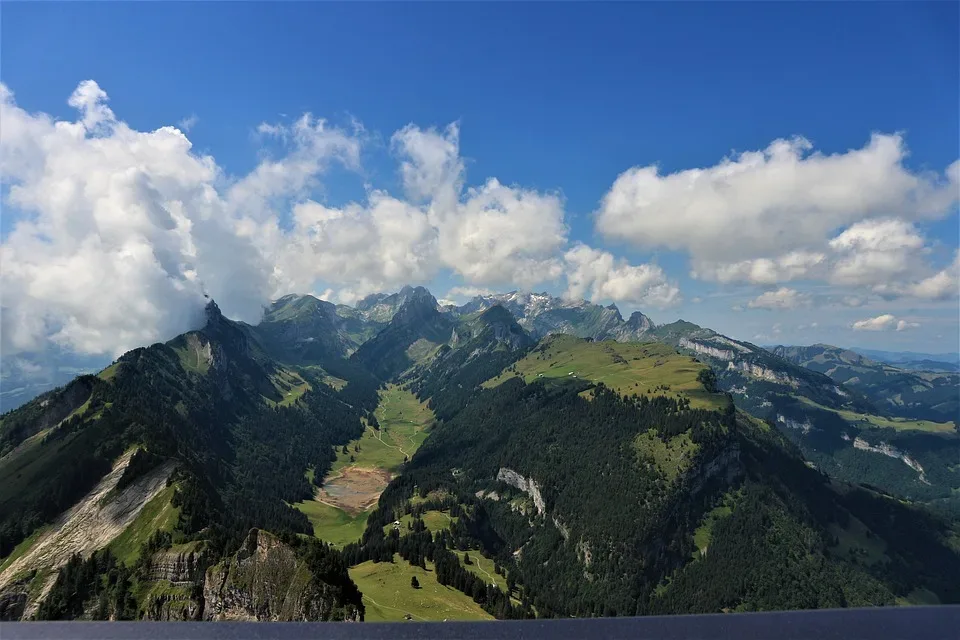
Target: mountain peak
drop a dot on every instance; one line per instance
(497, 314)
(212, 312)
(639, 321)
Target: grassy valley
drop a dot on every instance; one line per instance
(363, 467)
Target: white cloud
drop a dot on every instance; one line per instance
(467, 292)
(120, 232)
(124, 230)
(598, 275)
(188, 123)
(942, 285)
(489, 235)
(766, 271)
(885, 322)
(903, 325)
(874, 252)
(786, 213)
(782, 298)
(769, 202)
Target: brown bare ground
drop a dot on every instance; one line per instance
(354, 489)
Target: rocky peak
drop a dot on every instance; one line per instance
(638, 321)
(616, 312)
(212, 313)
(419, 306)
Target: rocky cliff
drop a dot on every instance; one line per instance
(265, 580)
(528, 486)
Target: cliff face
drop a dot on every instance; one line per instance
(178, 566)
(14, 597)
(265, 580)
(528, 486)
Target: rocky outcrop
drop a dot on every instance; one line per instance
(173, 608)
(763, 373)
(265, 580)
(13, 598)
(726, 464)
(714, 352)
(528, 486)
(892, 452)
(179, 567)
(804, 426)
(584, 553)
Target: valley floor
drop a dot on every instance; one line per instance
(348, 494)
(365, 466)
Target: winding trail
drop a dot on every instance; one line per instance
(403, 611)
(492, 580)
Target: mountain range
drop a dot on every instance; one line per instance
(519, 455)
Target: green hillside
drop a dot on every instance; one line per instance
(649, 369)
(388, 595)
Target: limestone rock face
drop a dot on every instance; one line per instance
(265, 580)
(527, 485)
(13, 598)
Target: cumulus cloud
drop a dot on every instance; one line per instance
(773, 216)
(942, 285)
(122, 233)
(885, 322)
(119, 233)
(782, 298)
(598, 275)
(771, 201)
(492, 235)
(765, 271)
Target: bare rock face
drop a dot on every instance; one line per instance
(173, 609)
(527, 485)
(13, 598)
(265, 580)
(178, 567)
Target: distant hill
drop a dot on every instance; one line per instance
(899, 357)
(893, 389)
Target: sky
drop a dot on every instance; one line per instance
(782, 173)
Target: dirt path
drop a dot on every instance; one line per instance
(378, 434)
(492, 580)
(403, 611)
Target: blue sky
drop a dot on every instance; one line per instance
(552, 99)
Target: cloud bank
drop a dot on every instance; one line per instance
(119, 233)
(788, 213)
